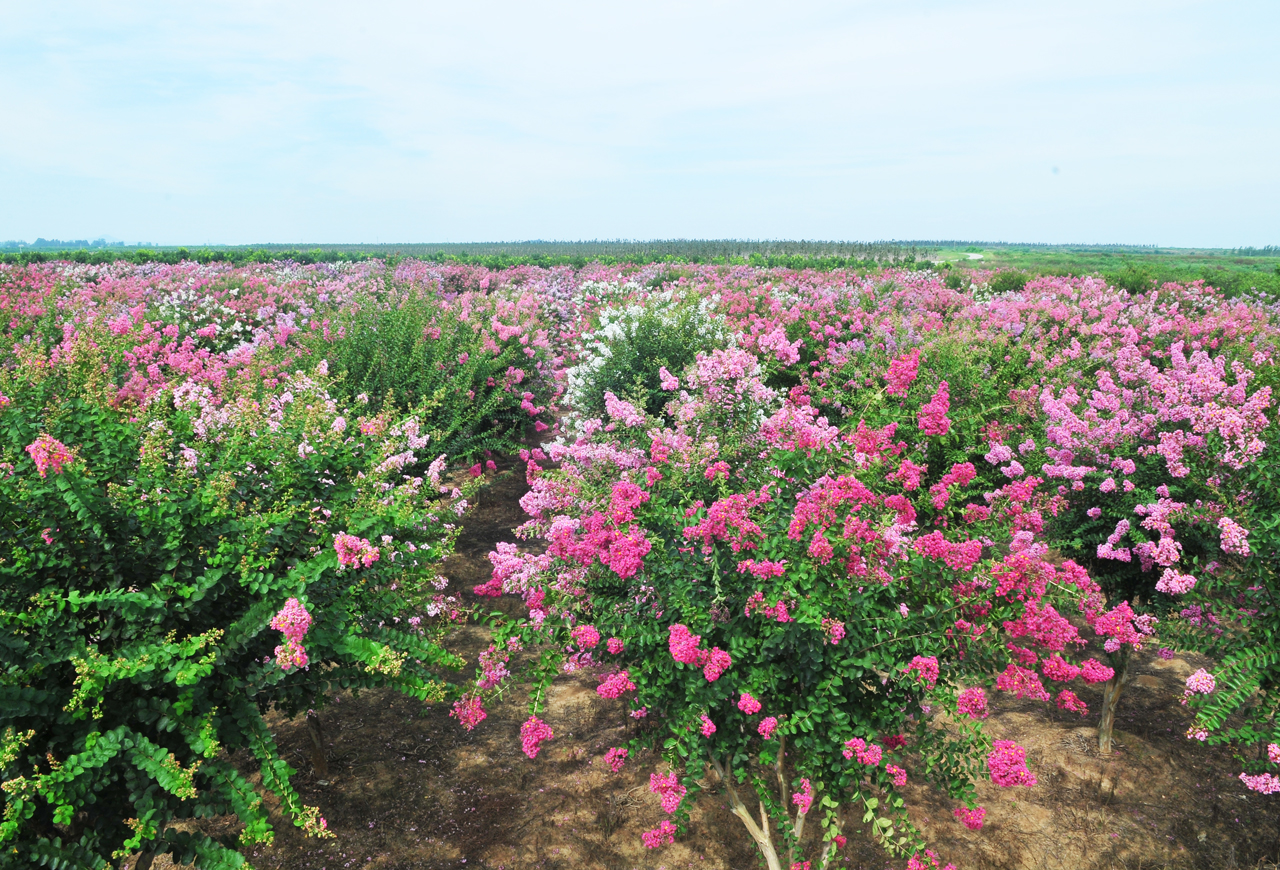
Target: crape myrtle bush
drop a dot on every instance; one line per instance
(748, 581)
(975, 386)
(472, 345)
(1095, 391)
(168, 573)
(632, 343)
(481, 359)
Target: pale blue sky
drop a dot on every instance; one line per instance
(240, 122)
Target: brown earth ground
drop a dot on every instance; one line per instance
(407, 787)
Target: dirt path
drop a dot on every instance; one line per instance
(409, 788)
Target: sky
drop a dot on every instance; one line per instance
(312, 122)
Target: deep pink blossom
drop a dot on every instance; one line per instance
(616, 757)
(902, 372)
(533, 733)
(933, 416)
(469, 711)
(970, 818)
(926, 668)
(616, 685)
(1007, 764)
(663, 835)
(973, 702)
(1094, 671)
(669, 790)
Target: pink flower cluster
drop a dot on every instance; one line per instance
(1023, 683)
(926, 668)
(1007, 764)
(625, 498)
(867, 753)
(532, 735)
(1172, 582)
(353, 551)
(663, 835)
(1263, 783)
(624, 412)
(586, 636)
(1056, 668)
(1235, 539)
(971, 819)
(1200, 683)
(1095, 671)
(616, 757)
(469, 711)
(49, 453)
(748, 704)
(668, 789)
(973, 702)
(902, 372)
(778, 612)
(803, 798)
(898, 775)
(767, 726)
(960, 556)
(684, 648)
(708, 727)
(933, 416)
(616, 685)
(1120, 625)
(717, 470)
(293, 621)
(1067, 700)
(626, 553)
(762, 569)
(929, 861)
(834, 629)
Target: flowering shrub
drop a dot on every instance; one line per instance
(629, 349)
(1230, 612)
(189, 570)
(724, 590)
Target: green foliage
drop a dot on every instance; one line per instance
(137, 588)
(405, 349)
(1007, 281)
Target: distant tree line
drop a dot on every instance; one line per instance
(793, 255)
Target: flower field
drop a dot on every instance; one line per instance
(816, 550)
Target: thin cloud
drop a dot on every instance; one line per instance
(242, 122)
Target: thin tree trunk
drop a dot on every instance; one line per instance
(758, 833)
(1111, 699)
(319, 758)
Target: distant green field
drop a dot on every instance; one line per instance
(1237, 271)
(1242, 270)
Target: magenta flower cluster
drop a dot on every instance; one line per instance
(1007, 765)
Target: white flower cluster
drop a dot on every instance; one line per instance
(618, 325)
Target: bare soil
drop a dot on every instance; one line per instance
(407, 787)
